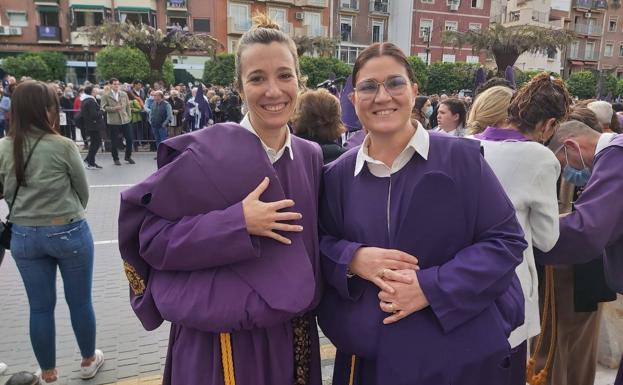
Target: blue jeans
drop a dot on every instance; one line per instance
(37, 252)
(160, 134)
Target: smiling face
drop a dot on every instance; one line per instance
(384, 113)
(446, 119)
(269, 84)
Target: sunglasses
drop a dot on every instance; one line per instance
(394, 85)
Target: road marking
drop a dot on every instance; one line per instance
(106, 242)
(110, 185)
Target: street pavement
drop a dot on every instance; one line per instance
(133, 355)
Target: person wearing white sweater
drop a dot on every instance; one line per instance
(528, 171)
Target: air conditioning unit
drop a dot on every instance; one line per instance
(588, 15)
(4, 30)
(15, 30)
(453, 6)
(299, 16)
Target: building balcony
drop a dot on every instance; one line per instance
(312, 3)
(48, 34)
(177, 5)
(79, 38)
(349, 5)
(237, 27)
(379, 7)
(10, 31)
(590, 56)
(588, 30)
(46, 2)
(312, 31)
(593, 5)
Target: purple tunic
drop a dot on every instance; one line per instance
(355, 139)
(596, 225)
(451, 212)
(190, 260)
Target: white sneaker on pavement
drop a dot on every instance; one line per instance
(44, 382)
(88, 372)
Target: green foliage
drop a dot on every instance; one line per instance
(128, 64)
(420, 70)
(27, 65)
(582, 84)
(183, 76)
(319, 69)
(609, 85)
(220, 70)
(450, 77)
(522, 77)
(56, 62)
(619, 91)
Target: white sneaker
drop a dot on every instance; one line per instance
(44, 382)
(3, 368)
(88, 372)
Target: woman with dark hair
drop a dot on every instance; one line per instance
(451, 115)
(419, 246)
(422, 111)
(43, 180)
(317, 117)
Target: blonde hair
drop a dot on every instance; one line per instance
(264, 31)
(489, 109)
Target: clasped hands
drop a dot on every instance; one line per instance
(394, 272)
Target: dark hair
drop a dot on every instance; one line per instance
(137, 82)
(493, 82)
(617, 107)
(318, 116)
(540, 99)
(416, 113)
(88, 90)
(30, 103)
(585, 115)
(382, 49)
(23, 378)
(130, 96)
(456, 106)
(112, 80)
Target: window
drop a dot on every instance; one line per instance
(348, 54)
(135, 18)
(608, 49)
(513, 16)
(346, 28)
(240, 15)
(378, 28)
(349, 4)
(428, 1)
(48, 18)
(233, 45)
(574, 48)
(426, 29)
(280, 16)
(201, 25)
(476, 3)
(452, 26)
(17, 19)
(88, 18)
(612, 25)
(475, 27)
(177, 23)
(472, 59)
(621, 50)
(588, 50)
(312, 19)
(448, 58)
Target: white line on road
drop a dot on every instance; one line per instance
(110, 185)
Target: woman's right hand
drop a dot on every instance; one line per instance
(374, 264)
(263, 218)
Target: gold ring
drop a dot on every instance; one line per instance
(391, 306)
(383, 273)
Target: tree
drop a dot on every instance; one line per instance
(27, 65)
(420, 70)
(609, 85)
(56, 62)
(183, 76)
(450, 77)
(155, 44)
(319, 69)
(619, 88)
(507, 43)
(123, 63)
(220, 70)
(323, 46)
(582, 84)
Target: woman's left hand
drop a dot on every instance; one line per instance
(407, 298)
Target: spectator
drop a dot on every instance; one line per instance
(451, 117)
(177, 106)
(489, 109)
(137, 118)
(585, 115)
(422, 111)
(5, 108)
(160, 117)
(604, 112)
(67, 105)
(49, 226)
(317, 117)
(93, 122)
(118, 117)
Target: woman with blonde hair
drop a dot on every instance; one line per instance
(213, 242)
(489, 109)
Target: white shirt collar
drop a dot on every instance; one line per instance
(419, 142)
(273, 155)
(603, 141)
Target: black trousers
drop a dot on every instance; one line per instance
(126, 131)
(96, 142)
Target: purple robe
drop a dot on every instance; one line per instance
(451, 212)
(190, 260)
(595, 228)
(355, 139)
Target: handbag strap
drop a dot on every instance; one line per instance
(32, 150)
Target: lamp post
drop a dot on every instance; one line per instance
(427, 37)
(85, 47)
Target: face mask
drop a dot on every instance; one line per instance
(428, 112)
(573, 175)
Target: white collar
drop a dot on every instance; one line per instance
(603, 141)
(419, 142)
(272, 154)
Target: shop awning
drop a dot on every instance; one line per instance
(179, 13)
(88, 6)
(47, 8)
(135, 9)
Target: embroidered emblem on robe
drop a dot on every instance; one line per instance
(136, 282)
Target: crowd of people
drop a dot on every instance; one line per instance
(427, 246)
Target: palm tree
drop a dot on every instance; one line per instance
(506, 44)
(325, 46)
(304, 44)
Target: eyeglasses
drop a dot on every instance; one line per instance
(394, 85)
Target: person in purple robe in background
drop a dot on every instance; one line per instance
(197, 112)
(222, 240)
(595, 228)
(419, 246)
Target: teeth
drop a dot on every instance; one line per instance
(384, 112)
(276, 107)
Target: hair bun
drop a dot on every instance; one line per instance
(262, 20)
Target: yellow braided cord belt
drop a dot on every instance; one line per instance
(228, 359)
(351, 378)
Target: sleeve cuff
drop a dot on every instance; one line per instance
(429, 283)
